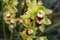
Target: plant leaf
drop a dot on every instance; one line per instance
(46, 21)
(42, 28)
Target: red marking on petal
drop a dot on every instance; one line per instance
(39, 18)
(31, 20)
(37, 24)
(27, 32)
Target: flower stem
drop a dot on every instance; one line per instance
(4, 31)
(3, 23)
(11, 36)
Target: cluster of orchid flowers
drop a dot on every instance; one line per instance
(28, 22)
(34, 18)
(9, 12)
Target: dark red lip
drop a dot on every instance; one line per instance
(27, 32)
(37, 24)
(31, 20)
(39, 18)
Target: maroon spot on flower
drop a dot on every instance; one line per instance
(31, 20)
(39, 18)
(37, 24)
(27, 32)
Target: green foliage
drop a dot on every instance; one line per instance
(42, 28)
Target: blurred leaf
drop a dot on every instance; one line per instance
(42, 28)
(46, 21)
(51, 37)
(48, 11)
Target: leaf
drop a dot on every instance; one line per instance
(52, 37)
(48, 11)
(46, 20)
(42, 28)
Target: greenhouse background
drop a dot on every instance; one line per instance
(51, 31)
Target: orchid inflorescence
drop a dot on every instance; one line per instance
(34, 18)
(9, 12)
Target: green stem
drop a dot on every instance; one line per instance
(3, 23)
(4, 31)
(11, 36)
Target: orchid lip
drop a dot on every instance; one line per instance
(37, 24)
(39, 18)
(29, 32)
(31, 20)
